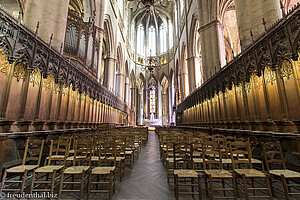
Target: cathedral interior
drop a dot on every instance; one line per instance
(150, 99)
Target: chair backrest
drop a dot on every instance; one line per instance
(240, 153)
(107, 153)
(82, 152)
(273, 155)
(56, 148)
(212, 156)
(33, 151)
(183, 154)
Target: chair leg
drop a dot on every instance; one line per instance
(234, 184)
(90, 185)
(192, 187)
(285, 188)
(252, 183)
(23, 182)
(32, 182)
(53, 181)
(211, 195)
(176, 187)
(82, 184)
(223, 185)
(245, 187)
(110, 186)
(199, 187)
(61, 185)
(206, 186)
(3, 181)
(269, 187)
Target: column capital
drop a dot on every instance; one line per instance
(211, 24)
(111, 59)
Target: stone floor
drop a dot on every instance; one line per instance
(148, 178)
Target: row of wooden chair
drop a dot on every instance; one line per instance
(226, 160)
(74, 162)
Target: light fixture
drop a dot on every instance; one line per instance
(151, 65)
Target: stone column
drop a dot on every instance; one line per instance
(52, 18)
(127, 92)
(213, 48)
(121, 86)
(109, 80)
(249, 17)
(100, 10)
(192, 73)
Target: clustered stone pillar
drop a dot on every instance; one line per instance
(249, 17)
(100, 23)
(192, 75)
(213, 50)
(109, 73)
(52, 19)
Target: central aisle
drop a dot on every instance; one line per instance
(148, 177)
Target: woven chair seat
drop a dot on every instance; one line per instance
(96, 158)
(186, 173)
(218, 173)
(250, 173)
(21, 168)
(48, 168)
(285, 172)
(117, 158)
(103, 170)
(198, 160)
(57, 157)
(71, 158)
(76, 169)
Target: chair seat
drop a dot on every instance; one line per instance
(253, 160)
(77, 157)
(103, 170)
(57, 157)
(128, 152)
(117, 158)
(198, 160)
(76, 169)
(186, 173)
(21, 168)
(250, 173)
(218, 173)
(96, 158)
(48, 168)
(226, 161)
(285, 172)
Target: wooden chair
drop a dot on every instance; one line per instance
(241, 155)
(81, 164)
(213, 169)
(58, 152)
(50, 169)
(276, 167)
(105, 172)
(120, 156)
(184, 174)
(31, 160)
(169, 157)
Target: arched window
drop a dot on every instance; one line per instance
(163, 38)
(171, 34)
(140, 40)
(152, 41)
(152, 103)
